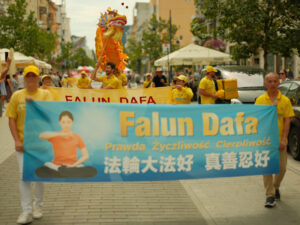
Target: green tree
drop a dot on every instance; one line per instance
(80, 58)
(271, 25)
(155, 35)
(22, 33)
(65, 58)
(134, 51)
(71, 58)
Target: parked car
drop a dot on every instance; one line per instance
(291, 89)
(250, 81)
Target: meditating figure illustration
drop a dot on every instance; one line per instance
(65, 163)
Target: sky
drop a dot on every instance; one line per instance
(84, 15)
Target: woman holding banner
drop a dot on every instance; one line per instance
(181, 94)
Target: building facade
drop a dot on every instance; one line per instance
(182, 12)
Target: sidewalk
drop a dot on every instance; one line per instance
(222, 201)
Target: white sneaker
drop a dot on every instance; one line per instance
(37, 213)
(24, 218)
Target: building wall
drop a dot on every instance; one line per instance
(141, 15)
(4, 5)
(33, 5)
(182, 12)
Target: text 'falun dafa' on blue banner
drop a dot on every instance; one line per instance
(87, 142)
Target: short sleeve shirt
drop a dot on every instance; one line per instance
(284, 108)
(122, 78)
(209, 86)
(157, 80)
(65, 148)
(83, 82)
(183, 96)
(16, 108)
(112, 82)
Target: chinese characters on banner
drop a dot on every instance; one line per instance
(139, 142)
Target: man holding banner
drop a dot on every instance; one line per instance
(109, 80)
(284, 111)
(16, 111)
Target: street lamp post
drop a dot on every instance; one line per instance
(170, 40)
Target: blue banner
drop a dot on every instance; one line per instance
(87, 142)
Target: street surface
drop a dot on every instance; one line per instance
(222, 201)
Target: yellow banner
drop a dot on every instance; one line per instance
(134, 96)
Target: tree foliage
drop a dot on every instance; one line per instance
(134, 52)
(155, 35)
(22, 33)
(72, 57)
(271, 25)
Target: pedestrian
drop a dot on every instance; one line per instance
(84, 82)
(181, 94)
(148, 82)
(46, 81)
(4, 72)
(3, 92)
(8, 87)
(282, 75)
(284, 112)
(2, 83)
(289, 73)
(64, 81)
(71, 80)
(192, 83)
(109, 80)
(159, 79)
(20, 80)
(14, 83)
(207, 88)
(16, 111)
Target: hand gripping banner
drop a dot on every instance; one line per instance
(87, 142)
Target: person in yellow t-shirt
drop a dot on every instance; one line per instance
(16, 113)
(46, 81)
(84, 82)
(181, 94)
(122, 78)
(64, 81)
(109, 80)
(71, 80)
(284, 112)
(207, 88)
(148, 82)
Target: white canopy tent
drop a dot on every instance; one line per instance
(22, 61)
(193, 55)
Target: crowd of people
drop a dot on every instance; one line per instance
(32, 86)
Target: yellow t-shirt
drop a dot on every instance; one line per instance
(284, 108)
(16, 107)
(147, 83)
(182, 97)
(83, 82)
(122, 78)
(72, 81)
(64, 82)
(112, 82)
(209, 86)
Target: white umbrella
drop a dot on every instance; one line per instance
(12, 68)
(20, 59)
(193, 55)
(90, 68)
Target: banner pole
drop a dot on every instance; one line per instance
(93, 74)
